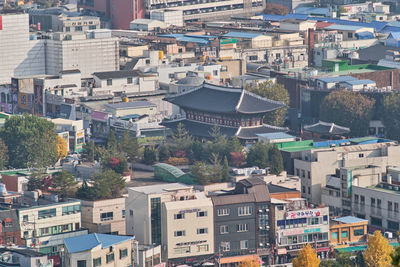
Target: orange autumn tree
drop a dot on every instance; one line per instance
(378, 252)
(307, 258)
(249, 263)
(62, 150)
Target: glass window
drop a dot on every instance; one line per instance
(25, 218)
(393, 225)
(244, 211)
(202, 231)
(390, 205)
(123, 253)
(223, 229)
(179, 233)
(344, 234)
(372, 202)
(129, 80)
(334, 235)
(223, 212)
(110, 258)
(362, 200)
(106, 216)
(179, 216)
(202, 248)
(97, 262)
(202, 214)
(358, 232)
(46, 213)
(244, 227)
(81, 263)
(123, 213)
(109, 82)
(244, 244)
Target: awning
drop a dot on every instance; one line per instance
(239, 259)
(323, 249)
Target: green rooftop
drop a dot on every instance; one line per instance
(16, 172)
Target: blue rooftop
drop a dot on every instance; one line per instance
(336, 79)
(296, 16)
(394, 35)
(271, 17)
(87, 242)
(344, 27)
(242, 35)
(201, 39)
(349, 219)
(358, 82)
(312, 10)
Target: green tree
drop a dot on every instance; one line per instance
(163, 153)
(111, 141)
(86, 192)
(348, 109)
(199, 151)
(35, 181)
(258, 156)
(200, 172)
(215, 170)
(219, 144)
(275, 160)
(277, 92)
(3, 155)
(390, 118)
(378, 253)
(105, 185)
(225, 170)
(341, 10)
(149, 155)
(181, 139)
(31, 141)
(64, 184)
(89, 151)
(129, 145)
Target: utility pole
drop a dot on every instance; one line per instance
(219, 255)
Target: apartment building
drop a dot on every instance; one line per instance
(241, 222)
(315, 163)
(144, 205)
(187, 229)
(295, 224)
(99, 250)
(104, 216)
(44, 227)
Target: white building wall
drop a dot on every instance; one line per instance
(18, 55)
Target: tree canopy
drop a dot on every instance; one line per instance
(378, 252)
(307, 258)
(31, 141)
(390, 118)
(62, 149)
(3, 155)
(277, 92)
(64, 184)
(348, 109)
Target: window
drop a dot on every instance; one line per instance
(372, 202)
(106, 216)
(67, 29)
(362, 200)
(182, 250)
(224, 68)
(223, 212)
(81, 263)
(379, 203)
(130, 212)
(278, 55)
(44, 231)
(92, 27)
(71, 209)
(243, 211)
(202, 214)
(123, 253)
(350, 35)
(393, 225)
(97, 262)
(123, 213)
(334, 235)
(309, 190)
(46, 213)
(110, 258)
(244, 244)
(201, 248)
(376, 221)
(356, 197)
(226, 246)
(223, 229)
(66, 227)
(253, 57)
(243, 227)
(361, 155)
(344, 234)
(396, 207)
(78, 28)
(304, 189)
(109, 82)
(297, 172)
(215, 72)
(358, 232)
(202, 231)
(179, 216)
(129, 80)
(303, 173)
(25, 218)
(308, 174)
(390, 205)
(179, 233)
(314, 221)
(147, 61)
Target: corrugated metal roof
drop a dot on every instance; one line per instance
(358, 82)
(87, 242)
(344, 27)
(271, 17)
(349, 219)
(394, 35)
(249, 35)
(336, 79)
(364, 35)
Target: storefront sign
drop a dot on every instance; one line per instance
(191, 243)
(282, 251)
(303, 214)
(309, 231)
